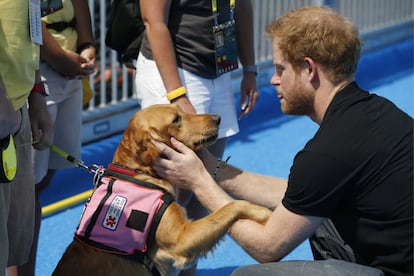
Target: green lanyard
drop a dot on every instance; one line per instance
(214, 8)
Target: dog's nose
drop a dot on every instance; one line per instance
(216, 119)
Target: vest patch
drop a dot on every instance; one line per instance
(137, 220)
(114, 213)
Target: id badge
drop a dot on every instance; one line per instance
(34, 21)
(225, 47)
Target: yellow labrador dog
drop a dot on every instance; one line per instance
(156, 238)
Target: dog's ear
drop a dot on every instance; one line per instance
(127, 150)
(135, 149)
(152, 152)
(147, 152)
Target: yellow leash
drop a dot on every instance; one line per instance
(76, 199)
(78, 163)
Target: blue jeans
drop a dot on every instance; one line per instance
(332, 257)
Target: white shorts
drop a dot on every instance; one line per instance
(65, 107)
(207, 95)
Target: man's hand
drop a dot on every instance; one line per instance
(40, 121)
(181, 166)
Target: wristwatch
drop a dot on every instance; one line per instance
(250, 69)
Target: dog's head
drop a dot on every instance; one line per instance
(161, 122)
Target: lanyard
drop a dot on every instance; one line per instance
(214, 9)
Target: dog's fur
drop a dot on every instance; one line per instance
(178, 241)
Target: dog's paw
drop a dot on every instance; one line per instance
(254, 212)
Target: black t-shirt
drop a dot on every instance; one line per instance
(191, 26)
(358, 171)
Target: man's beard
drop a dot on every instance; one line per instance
(297, 101)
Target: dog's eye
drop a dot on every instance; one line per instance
(177, 119)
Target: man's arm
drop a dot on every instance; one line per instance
(65, 62)
(282, 233)
(284, 230)
(245, 44)
(263, 190)
(83, 21)
(244, 32)
(85, 43)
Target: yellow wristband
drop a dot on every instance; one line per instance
(174, 94)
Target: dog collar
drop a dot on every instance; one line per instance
(125, 170)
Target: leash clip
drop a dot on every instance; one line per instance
(99, 172)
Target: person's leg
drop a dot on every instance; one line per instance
(215, 97)
(150, 90)
(305, 268)
(326, 243)
(210, 96)
(5, 199)
(65, 107)
(42, 179)
(148, 82)
(333, 257)
(28, 269)
(20, 222)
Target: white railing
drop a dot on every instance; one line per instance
(380, 22)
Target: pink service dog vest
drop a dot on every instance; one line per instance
(120, 215)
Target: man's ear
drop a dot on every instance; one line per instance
(311, 68)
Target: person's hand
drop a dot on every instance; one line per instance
(185, 105)
(249, 93)
(89, 55)
(181, 166)
(40, 121)
(73, 65)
